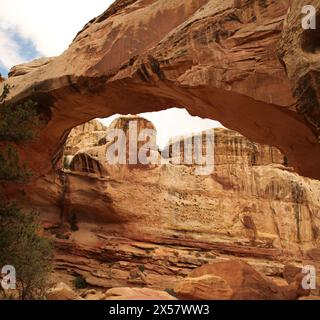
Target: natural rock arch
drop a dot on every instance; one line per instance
(216, 58)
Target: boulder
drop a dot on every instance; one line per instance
(62, 292)
(290, 272)
(137, 294)
(206, 287)
(244, 281)
(93, 295)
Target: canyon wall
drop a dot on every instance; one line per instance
(110, 221)
(217, 58)
(246, 63)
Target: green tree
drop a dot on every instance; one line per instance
(21, 243)
(22, 246)
(18, 125)
(11, 170)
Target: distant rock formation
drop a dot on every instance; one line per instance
(87, 145)
(82, 139)
(252, 206)
(252, 194)
(89, 134)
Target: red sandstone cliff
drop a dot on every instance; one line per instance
(245, 63)
(170, 220)
(217, 58)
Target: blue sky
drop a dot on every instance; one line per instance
(24, 47)
(27, 48)
(3, 70)
(34, 28)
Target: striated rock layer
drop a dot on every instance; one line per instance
(299, 51)
(217, 58)
(121, 225)
(89, 134)
(149, 226)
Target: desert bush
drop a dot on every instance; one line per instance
(80, 282)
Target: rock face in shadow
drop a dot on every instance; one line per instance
(217, 58)
(299, 51)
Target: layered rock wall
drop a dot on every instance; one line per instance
(251, 206)
(216, 58)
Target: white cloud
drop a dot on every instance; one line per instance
(9, 51)
(50, 25)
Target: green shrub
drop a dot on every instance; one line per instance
(80, 282)
(21, 243)
(22, 246)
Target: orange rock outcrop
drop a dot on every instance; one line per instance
(217, 58)
(151, 225)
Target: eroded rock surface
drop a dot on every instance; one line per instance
(61, 292)
(150, 226)
(299, 50)
(217, 58)
(236, 280)
(137, 294)
(90, 134)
